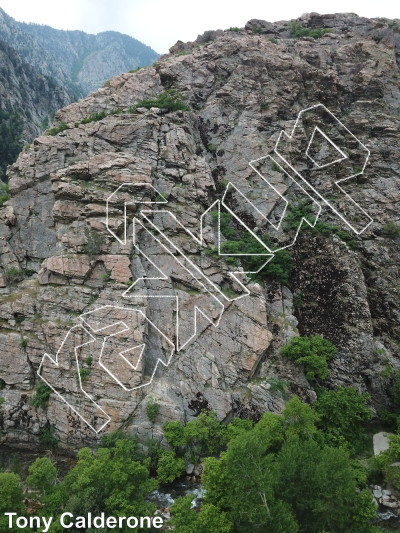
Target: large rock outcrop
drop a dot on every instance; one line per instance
(59, 261)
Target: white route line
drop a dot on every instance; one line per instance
(109, 199)
(217, 203)
(188, 265)
(57, 364)
(85, 317)
(128, 294)
(344, 156)
(334, 209)
(303, 219)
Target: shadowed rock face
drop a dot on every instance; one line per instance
(242, 88)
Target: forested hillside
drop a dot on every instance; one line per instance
(43, 69)
(28, 100)
(78, 61)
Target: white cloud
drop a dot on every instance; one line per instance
(160, 23)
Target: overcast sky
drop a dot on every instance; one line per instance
(160, 23)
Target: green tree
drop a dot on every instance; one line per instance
(311, 352)
(281, 476)
(109, 440)
(237, 427)
(364, 513)
(169, 467)
(319, 484)
(205, 433)
(174, 433)
(47, 438)
(171, 100)
(299, 419)
(11, 493)
(42, 475)
(4, 192)
(202, 435)
(209, 520)
(388, 461)
(41, 396)
(342, 413)
(107, 480)
(241, 480)
(152, 411)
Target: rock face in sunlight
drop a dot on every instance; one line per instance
(179, 132)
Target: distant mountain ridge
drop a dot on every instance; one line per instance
(76, 60)
(43, 70)
(28, 100)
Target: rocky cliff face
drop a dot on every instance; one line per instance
(68, 269)
(75, 60)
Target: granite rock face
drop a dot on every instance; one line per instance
(59, 261)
